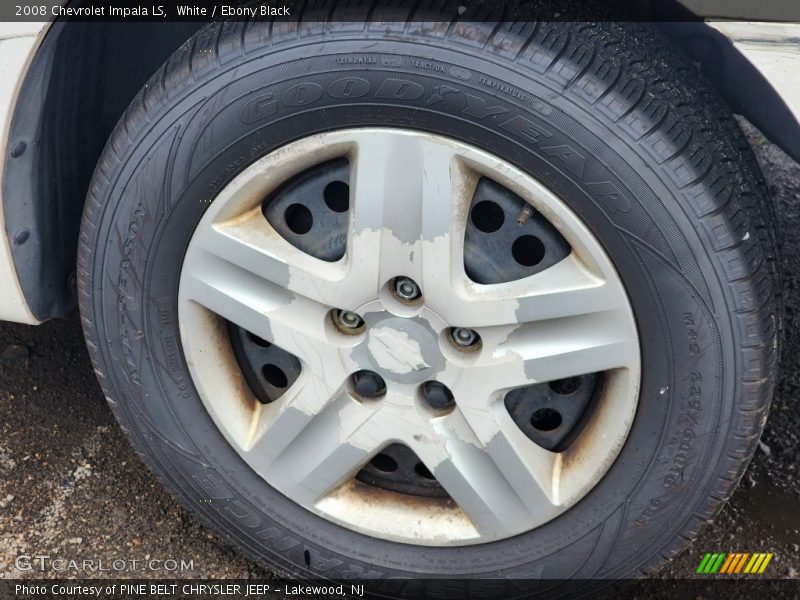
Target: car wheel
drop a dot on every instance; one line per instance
(429, 299)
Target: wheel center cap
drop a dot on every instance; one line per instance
(396, 351)
(402, 349)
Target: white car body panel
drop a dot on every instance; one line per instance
(773, 48)
(18, 44)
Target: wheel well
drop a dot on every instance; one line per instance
(79, 83)
(742, 86)
(84, 75)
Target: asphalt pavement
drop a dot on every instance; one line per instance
(71, 485)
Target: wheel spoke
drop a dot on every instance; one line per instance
(306, 454)
(566, 289)
(552, 349)
(312, 446)
(249, 243)
(496, 484)
(279, 423)
(293, 323)
(406, 196)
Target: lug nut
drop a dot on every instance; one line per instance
(438, 396)
(349, 319)
(368, 384)
(407, 289)
(464, 336)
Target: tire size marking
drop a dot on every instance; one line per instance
(684, 438)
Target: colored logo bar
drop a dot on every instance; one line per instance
(734, 563)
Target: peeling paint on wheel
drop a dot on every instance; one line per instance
(409, 203)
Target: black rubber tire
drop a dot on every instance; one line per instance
(607, 115)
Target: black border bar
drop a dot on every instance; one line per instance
(164, 11)
(709, 588)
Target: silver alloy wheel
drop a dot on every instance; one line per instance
(410, 194)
